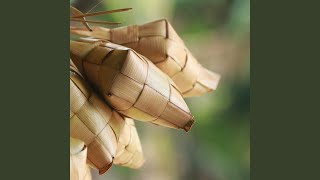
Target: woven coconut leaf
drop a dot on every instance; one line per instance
(131, 84)
(159, 42)
(78, 156)
(100, 127)
(129, 151)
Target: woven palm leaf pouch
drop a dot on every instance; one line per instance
(159, 42)
(100, 127)
(89, 122)
(131, 83)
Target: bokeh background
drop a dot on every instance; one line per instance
(217, 32)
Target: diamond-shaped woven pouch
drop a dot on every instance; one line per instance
(131, 84)
(159, 42)
(100, 127)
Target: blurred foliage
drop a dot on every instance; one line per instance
(217, 32)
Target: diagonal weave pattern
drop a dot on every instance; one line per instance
(100, 115)
(89, 118)
(132, 84)
(159, 42)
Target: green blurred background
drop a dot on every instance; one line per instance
(217, 32)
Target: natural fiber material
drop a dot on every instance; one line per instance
(129, 151)
(159, 42)
(131, 83)
(75, 11)
(121, 130)
(90, 121)
(78, 155)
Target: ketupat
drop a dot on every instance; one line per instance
(131, 84)
(129, 151)
(89, 122)
(78, 155)
(159, 42)
(101, 128)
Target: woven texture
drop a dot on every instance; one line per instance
(78, 155)
(131, 84)
(129, 151)
(97, 112)
(159, 42)
(89, 122)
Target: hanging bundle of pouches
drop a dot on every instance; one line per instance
(139, 72)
